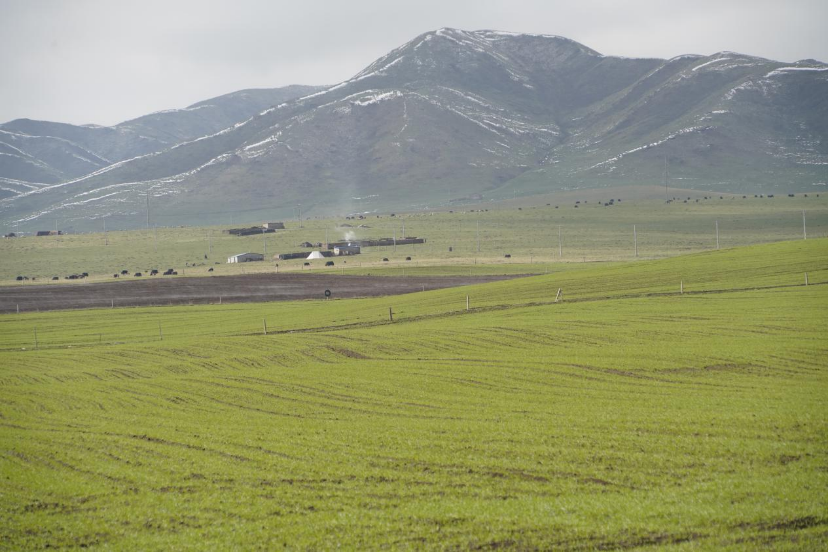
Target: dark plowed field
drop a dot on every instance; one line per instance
(249, 288)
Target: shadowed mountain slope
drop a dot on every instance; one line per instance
(455, 114)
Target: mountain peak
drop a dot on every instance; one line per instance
(478, 112)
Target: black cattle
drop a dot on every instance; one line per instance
(153, 272)
(385, 259)
(329, 263)
(408, 258)
(20, 278)
(210, 269)
(115, 275)
(124, 272)
(55, 278)
(137, 274)
(507, 256)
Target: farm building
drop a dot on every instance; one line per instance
(315, 255)
(343, 250)
(273, 225)
(288, 256)
(379, 242)
(249, 231)
(50, 232)
(301, 255)
(245, 258)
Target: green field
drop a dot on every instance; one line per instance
(479, 240)
(625, 416)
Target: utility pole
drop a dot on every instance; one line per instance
(403, 235)
(106, 238)
(478, 236)
(717, 234)
(665, 177)
(264, 243)
(156, 238)
(560, 248)
(300, 215)
(395, 240)
(804, 230)
(148, 210)
(635, 240)
(210, 241)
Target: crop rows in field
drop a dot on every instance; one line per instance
(625, 417)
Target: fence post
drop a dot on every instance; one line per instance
(467, 302)
(390, 314)
(264, 325)
(35, 332)
(806, 278)
(160, 333)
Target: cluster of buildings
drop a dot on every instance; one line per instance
(335, 249)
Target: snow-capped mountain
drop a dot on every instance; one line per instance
(454, 113)
(43, 152)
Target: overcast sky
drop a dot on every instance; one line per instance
(105, 61)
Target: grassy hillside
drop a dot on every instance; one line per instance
(590, 232)
(625, 416)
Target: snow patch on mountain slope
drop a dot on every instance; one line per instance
(651, 145)
(359, 77)
(719, 60)
(267, 140)
(23, 137)
(196, 108)
(372, 99)
(788, 70)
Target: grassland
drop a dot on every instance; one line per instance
(626, 415)
(526, 231)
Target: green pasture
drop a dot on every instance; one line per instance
(777, 265)
(625, 416)
(471, 238)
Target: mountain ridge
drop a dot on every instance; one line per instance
(461, 113)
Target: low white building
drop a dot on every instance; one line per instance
(342, 250)
(245, 258)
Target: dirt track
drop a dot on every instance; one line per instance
(159, 290)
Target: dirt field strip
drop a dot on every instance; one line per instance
(251, 288)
